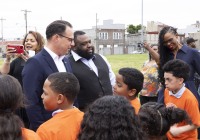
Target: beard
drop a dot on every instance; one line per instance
(85, 54)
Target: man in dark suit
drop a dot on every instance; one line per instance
(51, 59)
(93, 71)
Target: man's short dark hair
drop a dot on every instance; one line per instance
(76, 34)
(57, 27)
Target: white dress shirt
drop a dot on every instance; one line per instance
(92, 66)
(58, 60)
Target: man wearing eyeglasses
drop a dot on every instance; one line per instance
(51, 59)
(93, 71)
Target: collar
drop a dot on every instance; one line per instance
(53, 55)
(78, 57)
(75, 55)
(59, 110)
(179, 93)
(184, 48)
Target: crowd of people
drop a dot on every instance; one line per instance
(66, 91)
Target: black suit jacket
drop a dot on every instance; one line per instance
(35, 72)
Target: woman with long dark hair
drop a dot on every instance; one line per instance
(11, 98)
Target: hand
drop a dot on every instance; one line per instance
(146, 45)
(25, 56)
(9, 53)
(174, 130)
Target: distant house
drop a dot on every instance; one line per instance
(153, 29)
(111, 38)
(193, 31)
(108, 36)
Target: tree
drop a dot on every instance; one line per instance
(131, 29)
(138, 27)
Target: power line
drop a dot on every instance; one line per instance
(2, 19)
(25, 15)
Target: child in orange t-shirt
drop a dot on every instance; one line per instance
(60, 90)
(11, 98)
(129, 82)
(177, 95)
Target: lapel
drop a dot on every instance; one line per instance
(67, 64)
(49, 60)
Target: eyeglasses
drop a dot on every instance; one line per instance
(168, 41)
(70, 39)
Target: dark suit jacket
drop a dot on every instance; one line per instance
(35, 72)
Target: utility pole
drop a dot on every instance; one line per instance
(97, 46)
(2, 19)
(142, 35)
(25, 15)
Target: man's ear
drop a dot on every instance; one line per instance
(55, 37)
(60, 99)
(132, 92)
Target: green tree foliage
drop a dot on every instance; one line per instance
(131, 29)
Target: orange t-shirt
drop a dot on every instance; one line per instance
(29, 134)
(136, 104)
(187, 102)
(64, 125)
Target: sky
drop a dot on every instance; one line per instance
(82, 13)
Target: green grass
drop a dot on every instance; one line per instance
(127, 60)
(120, 61)
(1, 61)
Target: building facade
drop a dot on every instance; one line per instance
(108, 38)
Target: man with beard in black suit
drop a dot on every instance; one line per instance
(93, 71)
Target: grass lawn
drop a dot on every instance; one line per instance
(123, 60)
(126, 60)
(1, 61)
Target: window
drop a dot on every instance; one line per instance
(103, 35)
(117, 35)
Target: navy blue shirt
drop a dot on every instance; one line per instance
(190, 56)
